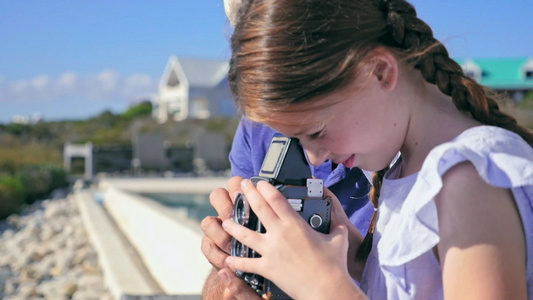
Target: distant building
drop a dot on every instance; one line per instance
(192, 88)
(511, 75)
(27, 119)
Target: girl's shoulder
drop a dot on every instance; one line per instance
(484, 156)
(501, 157)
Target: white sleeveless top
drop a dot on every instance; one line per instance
(402, 264)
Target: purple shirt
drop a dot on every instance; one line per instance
(349, 185)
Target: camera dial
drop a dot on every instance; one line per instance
(315, 221)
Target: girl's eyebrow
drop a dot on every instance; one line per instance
(317, 127)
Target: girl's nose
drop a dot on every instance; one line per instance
(317, 156)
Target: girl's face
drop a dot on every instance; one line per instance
(363, 127)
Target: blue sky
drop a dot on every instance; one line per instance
(74, 59)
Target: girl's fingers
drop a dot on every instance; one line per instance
(277, 201)
(244, 235)
(258, 204)
(247, 265)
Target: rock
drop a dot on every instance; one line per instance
(45, 253)
(27, 289)
(90, 295)
(91, 282)
(69, 288)
(63, 262)
(11, 286)
(4, 276)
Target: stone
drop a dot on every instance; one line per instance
(69, 288)
(27, 289)
(5, 273)
(45, 253)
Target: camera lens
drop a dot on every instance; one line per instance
(239, 250)
(241, 210)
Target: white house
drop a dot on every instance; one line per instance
(193, 88)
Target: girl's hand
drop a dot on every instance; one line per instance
(302, 262)
(338, 216)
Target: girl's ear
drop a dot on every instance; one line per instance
(385, 67)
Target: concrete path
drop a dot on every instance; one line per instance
(141, 264)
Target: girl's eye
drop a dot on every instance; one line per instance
(315, 135)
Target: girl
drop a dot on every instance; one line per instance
(358, 81)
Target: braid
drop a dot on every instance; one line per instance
(366, 246)
(415, 39)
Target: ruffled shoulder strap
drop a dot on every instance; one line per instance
(502, 159)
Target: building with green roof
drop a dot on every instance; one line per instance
(511, 75)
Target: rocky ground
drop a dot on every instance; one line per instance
(45, 253)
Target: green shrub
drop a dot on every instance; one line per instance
(16, 157)
(11, 195)
(142, 109)
(40, 180)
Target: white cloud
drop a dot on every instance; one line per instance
(108, 80)
(104, 86)
(67, 79)
(19, 86)
(41, 82)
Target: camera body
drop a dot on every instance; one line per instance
(285, 167)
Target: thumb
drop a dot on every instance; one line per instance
(339, 237)
(339, 231)
(236, 288)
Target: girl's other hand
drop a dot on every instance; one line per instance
(338, 216)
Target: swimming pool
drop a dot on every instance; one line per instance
(196, 206)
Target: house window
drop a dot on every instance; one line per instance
(200, 108)
(472, 70)
(173, 79)
(528, 70)
(470, 74)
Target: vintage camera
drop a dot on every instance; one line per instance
(285, 167)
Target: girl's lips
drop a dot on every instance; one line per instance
(349, 162)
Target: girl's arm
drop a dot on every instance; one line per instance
(482, 249)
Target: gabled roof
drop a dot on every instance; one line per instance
(503, 73)
(203, 73)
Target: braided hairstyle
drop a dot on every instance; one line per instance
(286, 52)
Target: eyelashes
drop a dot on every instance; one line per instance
(315, 135)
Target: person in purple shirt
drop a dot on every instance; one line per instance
(250, 145)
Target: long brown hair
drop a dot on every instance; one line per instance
(286, 52)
